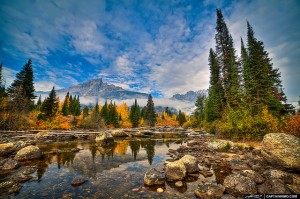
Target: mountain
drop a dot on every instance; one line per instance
(190, 96)
(97, 88)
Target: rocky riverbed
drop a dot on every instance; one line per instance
(200, 166)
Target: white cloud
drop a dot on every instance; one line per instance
(45, 86)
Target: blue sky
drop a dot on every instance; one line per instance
(158, 47)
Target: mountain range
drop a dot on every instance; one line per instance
(97, 88)
(190, 96)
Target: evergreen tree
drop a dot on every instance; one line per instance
(24, 78)
(215, 102)
(143, 112)
(227, 60)
(200, 107)
(85, 112)
(135, 114)
(39, 103)
(50, 105)
(65, 107)
(245, 70)
(77, 106)
(114, 116)
(150, 112)
(181, 118)
(105, 113)
(265, 87)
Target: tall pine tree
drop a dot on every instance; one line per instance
(150, 112)
(66, 104)
(2, 85)
(50, 105)
(227, 60)
(24, 79)
(135, 114)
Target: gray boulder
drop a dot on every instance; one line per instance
(10, 164)
(220, 145)
(175, 171)
(238, 185)
(154, 177)
(28, 153)
(190, 163)
(7, 149)
(282, 150)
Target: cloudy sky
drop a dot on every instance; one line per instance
(158, 47)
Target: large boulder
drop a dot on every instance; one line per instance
(7, 149)
(253, 175)
(118, 133)
(154, 177)
(29, 153)
(238, 185)
(210, 191)
(175, 171)
(282, 150)
(190, 163)
(220, 145)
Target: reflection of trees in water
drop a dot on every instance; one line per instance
(121, 148)
(149, 146)
(107, 151)
(135, 147)
(93, 150)
(65, 158)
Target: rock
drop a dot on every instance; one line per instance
(104, 137)
(10, 164)
(159, 190)
(278, 174)
(295, 186)
(282, 150)
(239, 165)
(190, 163)
(75, 150)
(238, 185)
(210, 191)
(206, 173)
(29, 170)
(220, 145)
(29, 153)
(175, 171)
(227, 196)
(118, 133)
(45, 136)
(154, 177)
(23, 179)
(7, 149)
(274, 186)
(256, 177)
(9, 187)
(20, 144)
(78, 182)
(179, 184)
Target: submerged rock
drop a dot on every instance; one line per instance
(282, 150)
(78, 182)
(29, 170)
(29, 153)
(154, 177)
(210, 191)
(238, 185)
(9, 187)
(175, 171)
(10, 164)
(190, 163)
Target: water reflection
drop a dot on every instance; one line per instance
(118, 166)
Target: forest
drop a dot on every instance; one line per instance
(245, 99)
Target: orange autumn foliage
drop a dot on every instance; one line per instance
(292, 125)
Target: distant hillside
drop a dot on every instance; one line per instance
(97, 88)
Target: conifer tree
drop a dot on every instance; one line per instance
(105, 113)
(135, 114)
(264, 82)
(65, 107)
(150, 112)
(227, 60)
(215, 102)
(39, 103)
(181, 118)
(50, 105)
(85, 112)
(24, 78)
(200, 107)
(77, 106)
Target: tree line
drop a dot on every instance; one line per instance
(245, 97)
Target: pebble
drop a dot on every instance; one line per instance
(179, 184)
(159, 190)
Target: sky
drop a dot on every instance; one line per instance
(157, 47)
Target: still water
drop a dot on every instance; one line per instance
(116, 171)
